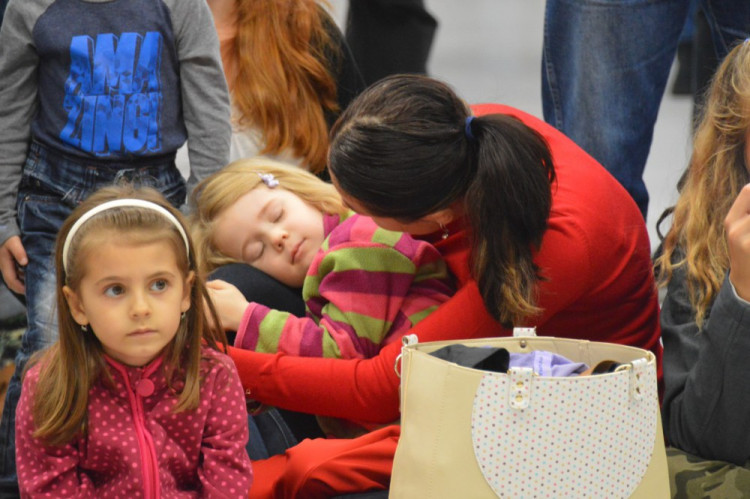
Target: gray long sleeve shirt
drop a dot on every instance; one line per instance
(109, 81)
(706, 374)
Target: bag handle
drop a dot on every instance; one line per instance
(406, 340)
(524, 332)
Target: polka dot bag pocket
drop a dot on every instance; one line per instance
(471, 433)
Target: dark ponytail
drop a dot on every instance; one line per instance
(402, 134)
(404, 149)
(508, 204)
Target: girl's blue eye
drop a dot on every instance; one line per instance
(114, 291)
(159, 285)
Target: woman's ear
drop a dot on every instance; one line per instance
(75, 305)
(442, 217)
(446, 215)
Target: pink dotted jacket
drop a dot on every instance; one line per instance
(136, 447)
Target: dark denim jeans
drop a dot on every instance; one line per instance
(51, 187)
(605, 66)
(269, 435)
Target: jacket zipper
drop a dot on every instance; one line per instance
(145, 441)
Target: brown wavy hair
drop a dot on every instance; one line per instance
(716, 174)
(75, 362)
(284, 84)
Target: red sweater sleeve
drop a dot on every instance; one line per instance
(365, 389)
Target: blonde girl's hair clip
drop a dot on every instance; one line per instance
(268, 179)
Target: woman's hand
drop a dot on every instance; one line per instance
(737, 227)
(229, 302)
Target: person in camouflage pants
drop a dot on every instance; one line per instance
(692, 477)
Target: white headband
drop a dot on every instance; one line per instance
(136, 203)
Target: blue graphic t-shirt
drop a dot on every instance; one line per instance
(109, 93)
(113, 93)
(116, 82)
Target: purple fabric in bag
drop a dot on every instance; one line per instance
(547, 363)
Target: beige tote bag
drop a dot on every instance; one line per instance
(467, 433)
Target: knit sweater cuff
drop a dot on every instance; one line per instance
(246, 339)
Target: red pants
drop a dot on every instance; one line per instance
(326, 467)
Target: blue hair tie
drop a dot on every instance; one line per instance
(467, 129)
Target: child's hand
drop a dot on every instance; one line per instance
(737, 227)
(229, 302)
(12, 258)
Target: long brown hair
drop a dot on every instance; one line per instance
(716, 174)
(404, 150)
(75, 362)
(216, 193)
(285, 61)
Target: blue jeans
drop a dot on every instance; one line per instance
(269, 435)
(51, 187)
(604, 68)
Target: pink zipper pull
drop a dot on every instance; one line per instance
(144, 387)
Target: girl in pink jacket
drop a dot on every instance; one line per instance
(135, 399)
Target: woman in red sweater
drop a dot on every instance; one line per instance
(536, 232)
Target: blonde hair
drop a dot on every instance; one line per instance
(221, 190)
(283, 83)
(716, 174)
(76, 361)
